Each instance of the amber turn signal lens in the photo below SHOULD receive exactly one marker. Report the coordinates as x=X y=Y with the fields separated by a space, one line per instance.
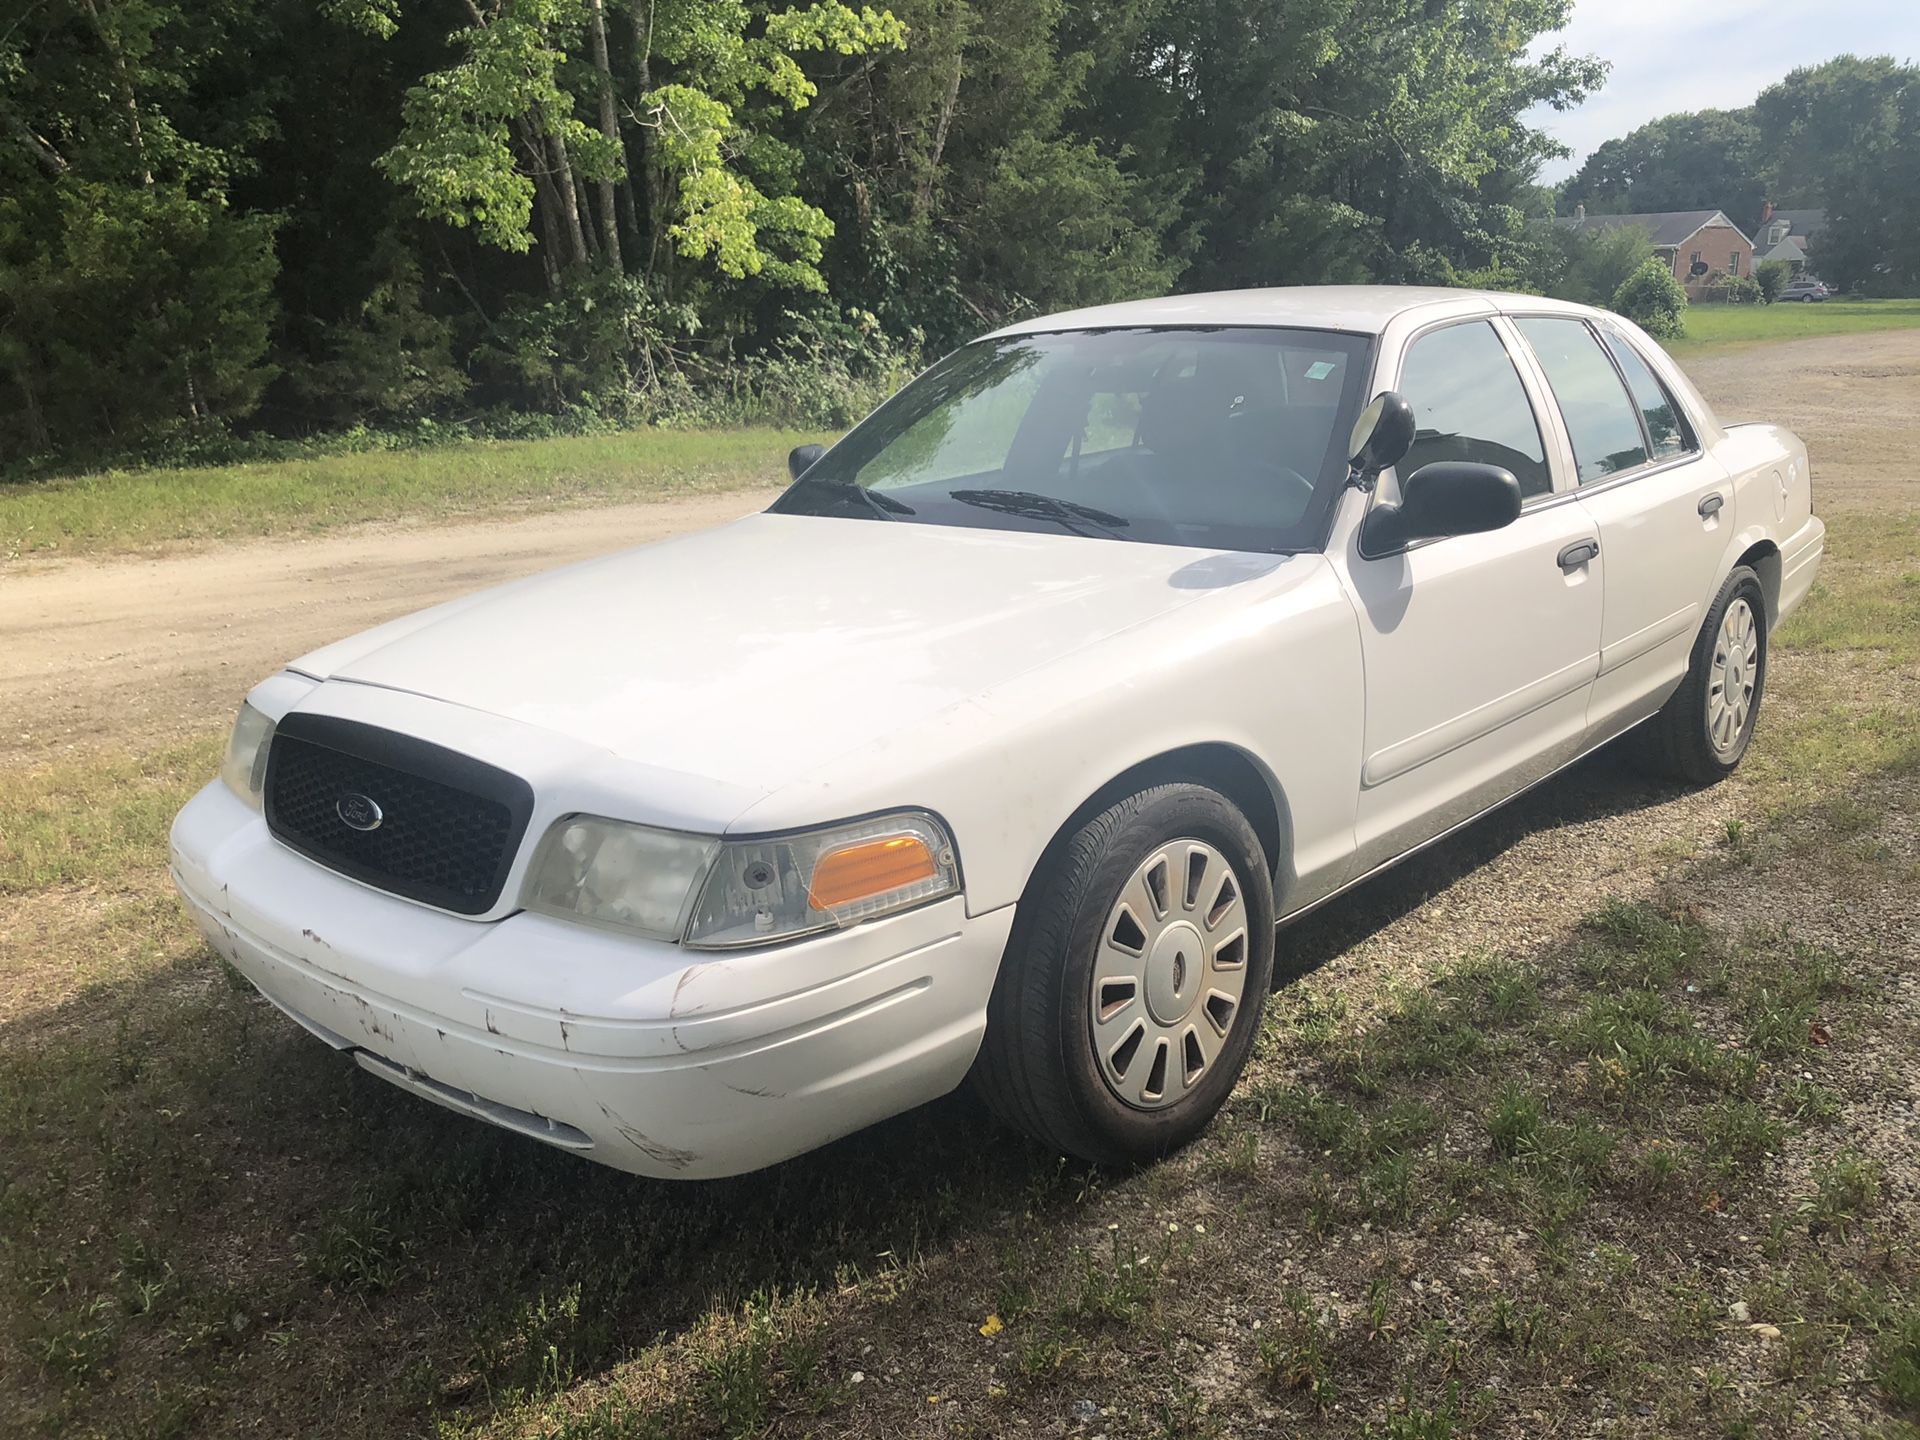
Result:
x=869 y=868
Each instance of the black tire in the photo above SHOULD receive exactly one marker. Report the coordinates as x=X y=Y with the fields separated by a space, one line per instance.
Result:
x=1676 y=743
x=1038 y=1069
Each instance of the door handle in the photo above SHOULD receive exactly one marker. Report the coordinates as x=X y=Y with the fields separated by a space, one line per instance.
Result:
x=1709 y=505
x=1579 y=553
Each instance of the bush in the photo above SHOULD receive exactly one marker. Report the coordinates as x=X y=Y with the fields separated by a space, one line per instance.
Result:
x=1723 y=289
x=1652 y=299
x=1772 y=277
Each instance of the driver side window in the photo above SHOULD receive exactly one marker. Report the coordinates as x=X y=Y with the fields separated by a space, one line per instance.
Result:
x=1468 y=404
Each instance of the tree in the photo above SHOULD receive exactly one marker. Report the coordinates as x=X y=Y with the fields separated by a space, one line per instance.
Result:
x=1709 y=160
x=1601 y=261
x=134 y=302
x=1849 y=139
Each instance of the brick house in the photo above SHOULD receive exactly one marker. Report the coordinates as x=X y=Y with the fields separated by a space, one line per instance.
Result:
x=1698 y=244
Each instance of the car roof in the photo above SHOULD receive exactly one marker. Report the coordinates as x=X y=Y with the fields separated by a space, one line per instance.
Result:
x=1358 y=309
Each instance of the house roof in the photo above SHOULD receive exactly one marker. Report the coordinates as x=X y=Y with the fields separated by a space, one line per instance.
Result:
x=1792 y=249
x=1669 y=228
x=1804 y=223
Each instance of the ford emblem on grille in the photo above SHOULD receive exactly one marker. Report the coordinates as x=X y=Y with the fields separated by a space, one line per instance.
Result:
x=359 y=812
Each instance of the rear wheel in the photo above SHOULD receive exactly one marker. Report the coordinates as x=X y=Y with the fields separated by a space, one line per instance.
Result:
x=1704 y=729
x=1134 y=980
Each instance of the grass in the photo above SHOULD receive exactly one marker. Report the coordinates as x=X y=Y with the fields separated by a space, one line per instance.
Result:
x=1526 y=1183
x=120 y=510
x=92 y=822
x=1720 y=326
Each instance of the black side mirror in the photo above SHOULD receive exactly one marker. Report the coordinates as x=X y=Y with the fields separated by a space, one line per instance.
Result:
x=801 y=459
x=1382 y=434
x=1448 y=497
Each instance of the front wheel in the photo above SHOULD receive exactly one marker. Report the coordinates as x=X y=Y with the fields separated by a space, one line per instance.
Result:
x=1134 y=980
x=1704 y=729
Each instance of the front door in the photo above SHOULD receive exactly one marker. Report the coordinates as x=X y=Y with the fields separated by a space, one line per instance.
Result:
x=1479 y=650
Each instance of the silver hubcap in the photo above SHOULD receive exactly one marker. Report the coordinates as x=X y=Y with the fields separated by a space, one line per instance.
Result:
x=1170 y=974
x=1735 y=674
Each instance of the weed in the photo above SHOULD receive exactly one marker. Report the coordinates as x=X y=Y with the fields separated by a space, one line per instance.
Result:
x=1296 y=1355
x=1738 y=1129
x=1846 y=1188
x=357 y=1250
x=1809 y=1101
x=76 y=1343
x=1117 y=1289
x=1896 y=1362
x=1517 y=1325
x=1515 y=1121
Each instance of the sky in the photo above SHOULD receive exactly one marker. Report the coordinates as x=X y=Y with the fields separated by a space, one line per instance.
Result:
x=1669 y=55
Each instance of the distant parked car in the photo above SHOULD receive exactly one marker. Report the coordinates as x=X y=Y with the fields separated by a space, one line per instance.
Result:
x=1806 y=291
x=1002 y=740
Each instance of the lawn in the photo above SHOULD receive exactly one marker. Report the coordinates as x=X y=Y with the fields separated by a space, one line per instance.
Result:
x=1715 y=326
x=119 y=509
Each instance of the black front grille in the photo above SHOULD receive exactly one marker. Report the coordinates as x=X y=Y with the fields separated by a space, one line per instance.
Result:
x=429 y=823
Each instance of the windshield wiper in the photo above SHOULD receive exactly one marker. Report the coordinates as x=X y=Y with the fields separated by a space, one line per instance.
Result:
x=883 y=505
x=1030 y=503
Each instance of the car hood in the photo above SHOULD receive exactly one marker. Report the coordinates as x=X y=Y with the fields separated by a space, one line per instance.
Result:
x=756 y=652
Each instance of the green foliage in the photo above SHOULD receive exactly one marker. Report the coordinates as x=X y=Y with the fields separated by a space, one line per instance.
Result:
x=142 y=312
x=1710 y=160
x=1653 y=300
x=1724 y=289
x=1598 y=262
x=389 y=359
x=1772 y=277
x=649 y=209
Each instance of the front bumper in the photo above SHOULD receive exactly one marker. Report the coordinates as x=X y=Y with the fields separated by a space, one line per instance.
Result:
x=637 y=1054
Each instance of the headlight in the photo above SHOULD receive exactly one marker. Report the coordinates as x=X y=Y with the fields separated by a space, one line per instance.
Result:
x=754 y=892
x=773 y=889
x=609 y=873
x=245 y=766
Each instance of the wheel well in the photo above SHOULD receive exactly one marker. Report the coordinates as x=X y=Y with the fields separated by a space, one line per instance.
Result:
x=1763 y=559
x=1224 y=768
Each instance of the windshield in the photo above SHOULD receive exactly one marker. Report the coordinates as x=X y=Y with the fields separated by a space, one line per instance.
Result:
x=1228 y=439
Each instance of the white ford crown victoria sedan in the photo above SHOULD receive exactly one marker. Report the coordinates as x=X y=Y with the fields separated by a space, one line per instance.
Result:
x=1003 y=740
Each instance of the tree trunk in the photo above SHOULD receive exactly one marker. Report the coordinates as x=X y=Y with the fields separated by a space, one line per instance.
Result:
x=546 y=205
x=923 y=197
x=616 y=201
x=569 y=199
x=44 y=155
x=583 y=202
x=656 y=216
x=127 y=98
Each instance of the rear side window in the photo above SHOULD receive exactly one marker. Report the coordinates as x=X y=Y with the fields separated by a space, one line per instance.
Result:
x=1468 y=404
x=1667 y=429
x=1602 y=420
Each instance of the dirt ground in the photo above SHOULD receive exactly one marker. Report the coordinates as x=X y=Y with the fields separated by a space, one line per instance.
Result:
x=155 y=647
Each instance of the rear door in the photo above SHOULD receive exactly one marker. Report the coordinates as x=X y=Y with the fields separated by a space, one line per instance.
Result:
x=1663 y=506
x=1479 y=650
